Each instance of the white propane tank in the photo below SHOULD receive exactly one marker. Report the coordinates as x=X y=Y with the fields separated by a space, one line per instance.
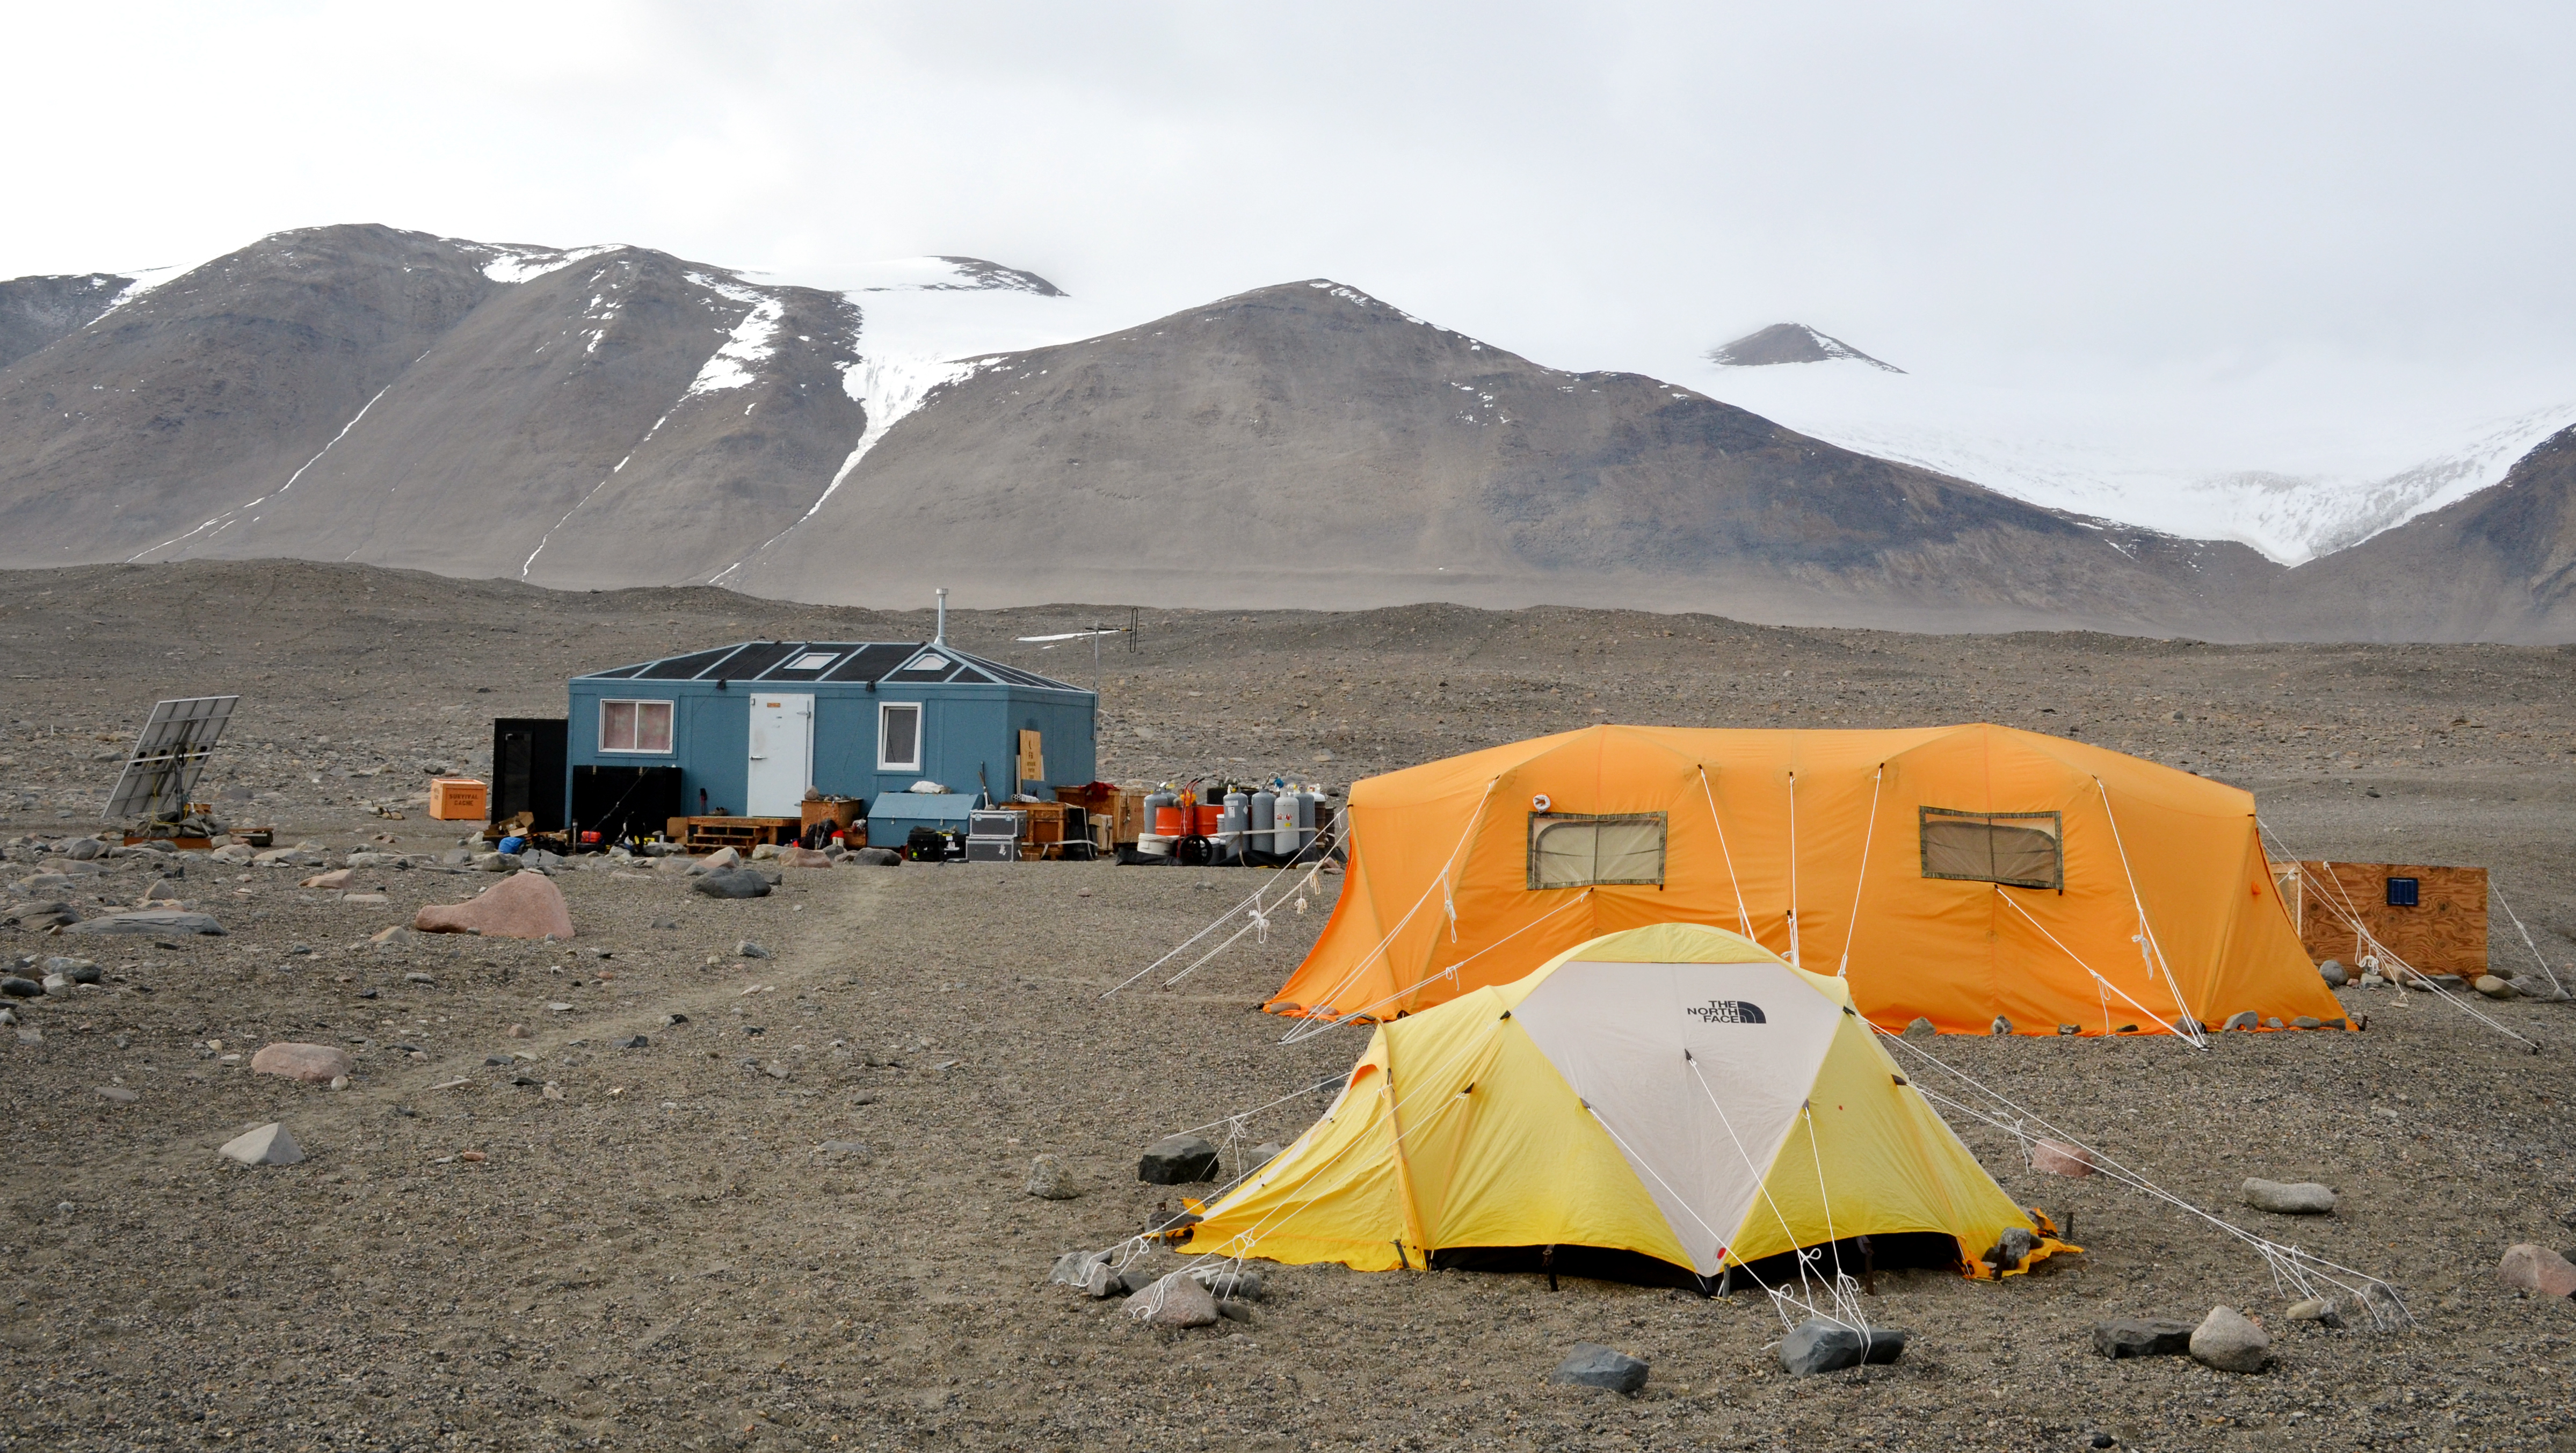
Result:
x=1283 y=821
x=1265 y=817
x=1233 y=823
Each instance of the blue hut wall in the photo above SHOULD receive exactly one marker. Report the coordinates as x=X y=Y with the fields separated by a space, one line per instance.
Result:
x=970 y=736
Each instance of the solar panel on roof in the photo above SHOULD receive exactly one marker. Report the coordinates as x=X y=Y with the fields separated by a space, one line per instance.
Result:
x=684 y=668
x=871 y=663
x=620 y=673
x=169 y=756
x=747 y=663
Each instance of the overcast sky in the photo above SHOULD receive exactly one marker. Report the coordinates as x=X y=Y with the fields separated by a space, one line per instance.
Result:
x=2061 y=186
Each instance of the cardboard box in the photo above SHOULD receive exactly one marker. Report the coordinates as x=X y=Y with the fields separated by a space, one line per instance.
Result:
x=459 y=799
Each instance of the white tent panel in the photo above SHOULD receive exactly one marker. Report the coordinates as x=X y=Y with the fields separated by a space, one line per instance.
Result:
x=1628 y=1037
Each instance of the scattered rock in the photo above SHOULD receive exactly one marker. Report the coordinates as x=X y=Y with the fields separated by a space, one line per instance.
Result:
x=314 y=1064
x=2010 y=1249
x=1228 y=1286
x=2315 y=1309
x=417 y=977
x=749 y=950
x=2334 y=974
x=2057 y=1158
x=2308 y=1021
x=2142 y=1337
x=764 y=852
x=524 y=905
x=165 y=921
x=733 y=883
x=1593 y=1365
x=18 y=988
x=874 y=858
x=717 y=861
x=2229 y=1342
x=517 y=1031
x=665 y=923
x=635 y=1042
x=1174 y=1301
x=1817 y=1345
x=796 y=857
x=2289 y=1198
x=117 y=1093
x=1262 y=1154
x=853 y=1149
x=1921 y=1028
x=270 y=1144
x=2242 y=1019
x=1103 y=1283
x=1074 y=1268
x=2538 y=1270
x=2493 y=987
x=2000 y=1026
x=336 y=878
x=1177 y=1160
x=1049 y=1180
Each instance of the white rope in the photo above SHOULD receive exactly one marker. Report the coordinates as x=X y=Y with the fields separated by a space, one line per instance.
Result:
x=2291 y=1264
x=1795 y=927
x=1253 y=903
x=1324 y=1002
x=2526 y=939
x=2151 y=950
x=2189 y=1035
x=2351 y=914
x=1869 y=832
x=1743 y=915
x=1311 y=1027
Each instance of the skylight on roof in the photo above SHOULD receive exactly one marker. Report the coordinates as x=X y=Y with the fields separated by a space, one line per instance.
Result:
x=933 y=662
x=814 y=661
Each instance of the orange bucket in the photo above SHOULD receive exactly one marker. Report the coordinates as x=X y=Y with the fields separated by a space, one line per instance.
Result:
x=1208 y=819
x=1167 y=822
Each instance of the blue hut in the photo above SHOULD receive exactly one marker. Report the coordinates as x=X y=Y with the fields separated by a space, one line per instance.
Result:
x=751 y=726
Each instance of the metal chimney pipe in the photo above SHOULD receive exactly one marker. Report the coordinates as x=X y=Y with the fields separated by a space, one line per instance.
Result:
x=941 y=639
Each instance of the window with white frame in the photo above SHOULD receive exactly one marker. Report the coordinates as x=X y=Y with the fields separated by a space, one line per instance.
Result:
x=635 y=726
x=899 y=736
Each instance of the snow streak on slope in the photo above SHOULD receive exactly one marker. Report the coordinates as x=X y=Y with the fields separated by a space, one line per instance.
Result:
x=2297 y=461
x=752 y=340
x=925 y=322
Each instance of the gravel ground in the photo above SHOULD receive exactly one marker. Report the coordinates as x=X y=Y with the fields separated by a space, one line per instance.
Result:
x=654 y=1250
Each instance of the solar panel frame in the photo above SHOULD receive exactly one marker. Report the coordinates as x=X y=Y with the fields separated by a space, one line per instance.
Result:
x=169 y=756
x=686 y=668
x=872 y=660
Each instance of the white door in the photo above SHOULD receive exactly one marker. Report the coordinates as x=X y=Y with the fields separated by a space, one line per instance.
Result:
x=782 y=755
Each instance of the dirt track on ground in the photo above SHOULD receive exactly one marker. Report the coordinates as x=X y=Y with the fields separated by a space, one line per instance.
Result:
x=663 y=1256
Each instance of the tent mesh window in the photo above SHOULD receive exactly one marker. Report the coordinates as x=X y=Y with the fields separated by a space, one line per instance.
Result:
x=2016 y=849
x=1580 y=849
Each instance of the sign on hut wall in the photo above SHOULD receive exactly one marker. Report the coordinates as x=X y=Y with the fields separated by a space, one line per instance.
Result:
x=2432 y=917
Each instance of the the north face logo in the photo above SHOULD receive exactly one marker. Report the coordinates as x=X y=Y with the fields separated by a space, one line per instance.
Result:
x=1727 y=1011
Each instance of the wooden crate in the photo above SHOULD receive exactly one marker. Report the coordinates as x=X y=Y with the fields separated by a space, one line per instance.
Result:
x=459 y=799
x=2444 y=933
x=709 y=834
x=1123 y=807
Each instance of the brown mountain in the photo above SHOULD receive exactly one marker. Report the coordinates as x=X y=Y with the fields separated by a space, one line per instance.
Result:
x=614 y=416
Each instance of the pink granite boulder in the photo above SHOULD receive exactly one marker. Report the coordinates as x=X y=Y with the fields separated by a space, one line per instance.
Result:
x=314 y=1064
x=526 y=904
x=2057 y=1158
x=2537 y=1269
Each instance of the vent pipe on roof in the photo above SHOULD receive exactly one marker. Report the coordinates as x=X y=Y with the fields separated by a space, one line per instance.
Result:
x=941 y=639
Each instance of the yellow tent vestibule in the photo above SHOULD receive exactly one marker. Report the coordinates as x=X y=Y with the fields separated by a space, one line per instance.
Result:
x=1963 y=875
x=1675 y=1092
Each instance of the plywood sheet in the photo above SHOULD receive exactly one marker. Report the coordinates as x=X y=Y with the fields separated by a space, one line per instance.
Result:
x=2445 y=933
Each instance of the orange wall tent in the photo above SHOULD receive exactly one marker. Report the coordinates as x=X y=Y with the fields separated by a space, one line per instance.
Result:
x=1958 y=874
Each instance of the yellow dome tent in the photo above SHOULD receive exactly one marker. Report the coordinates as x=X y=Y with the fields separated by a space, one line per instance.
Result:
x=1958 y=874
x=1675 y=1092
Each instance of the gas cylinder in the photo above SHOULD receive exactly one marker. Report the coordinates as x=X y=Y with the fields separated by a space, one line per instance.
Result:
x=1265 y=815
x=1233 y=824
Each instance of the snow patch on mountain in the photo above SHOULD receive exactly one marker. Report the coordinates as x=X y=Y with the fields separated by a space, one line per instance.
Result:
x=2296 y=460
x=512 y=264
x=751 y=341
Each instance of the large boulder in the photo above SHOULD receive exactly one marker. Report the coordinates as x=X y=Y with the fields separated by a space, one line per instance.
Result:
x=1816 y=1345
x=314 y=1064
x=2059 y=1158
x=2537 y=1269
x=522 y=905
x=1178 y=1300
x=150 y=920
x=873 y=858
x=1593 y=1365
x=2142 y=1337
x=1177 y=1160
x=732 y=883
x=2290 y=1198
x=2228 y=1341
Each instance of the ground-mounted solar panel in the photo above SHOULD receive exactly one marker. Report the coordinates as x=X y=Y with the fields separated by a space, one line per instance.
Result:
x=169 y=755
